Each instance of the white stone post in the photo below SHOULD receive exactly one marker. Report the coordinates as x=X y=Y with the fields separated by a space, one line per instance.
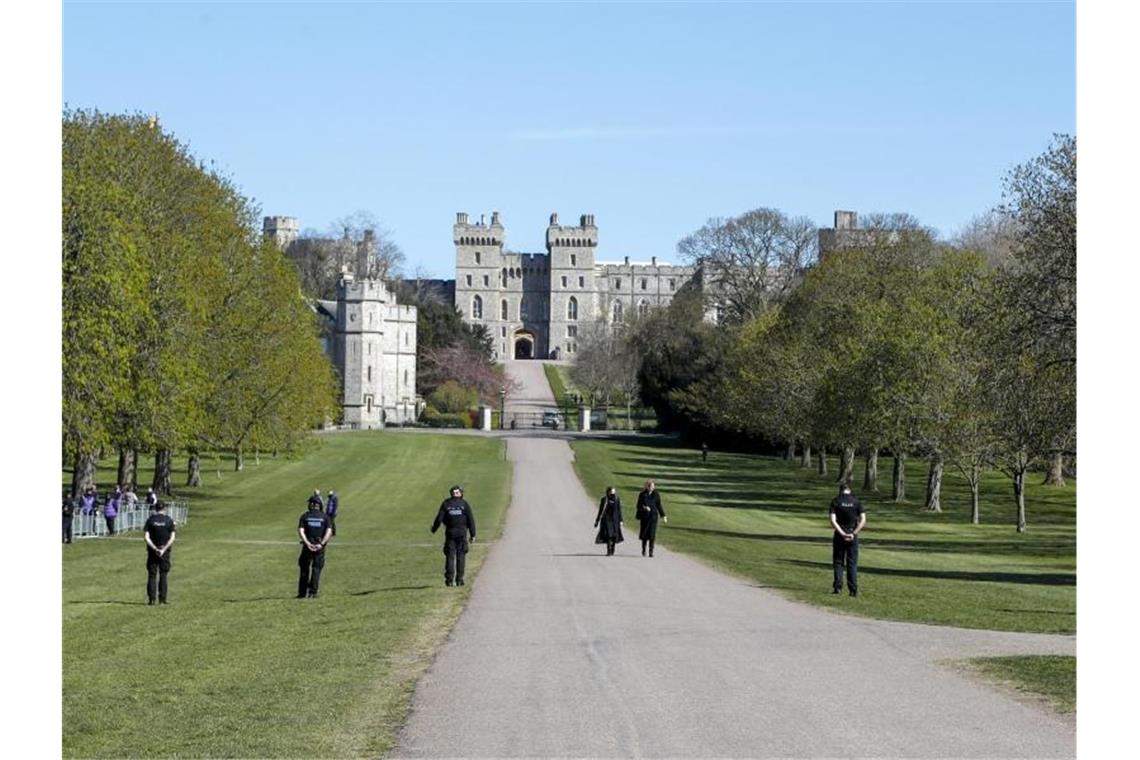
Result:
x=583 y=418
x=485 y=418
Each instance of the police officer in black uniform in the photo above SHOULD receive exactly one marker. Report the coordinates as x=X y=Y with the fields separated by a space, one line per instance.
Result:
x=158 y=532
x=458 y=520
x=315 y=532
x=68 y=517
x=847 y=518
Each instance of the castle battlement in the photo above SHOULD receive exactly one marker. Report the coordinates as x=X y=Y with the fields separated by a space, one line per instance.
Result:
x=465 y=232
x=584 y=235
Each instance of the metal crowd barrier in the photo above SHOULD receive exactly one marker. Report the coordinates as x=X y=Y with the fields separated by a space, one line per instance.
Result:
x=94 y=525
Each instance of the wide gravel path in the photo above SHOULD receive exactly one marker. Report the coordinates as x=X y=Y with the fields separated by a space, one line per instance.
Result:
x=564 y=652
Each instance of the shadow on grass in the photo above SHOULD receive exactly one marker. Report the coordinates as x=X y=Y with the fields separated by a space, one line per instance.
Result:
x=1033 y=579
x=389 y=588
x=105 y=601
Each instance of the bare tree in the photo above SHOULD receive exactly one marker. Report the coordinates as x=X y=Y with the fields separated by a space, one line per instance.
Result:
x=355 y=243
x=753 y=260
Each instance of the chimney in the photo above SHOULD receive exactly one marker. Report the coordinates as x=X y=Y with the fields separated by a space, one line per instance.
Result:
x=627 y=260
x=461 y=217
x=495 y=218
x=654 y=261
x=845 y=220
x=554 y=218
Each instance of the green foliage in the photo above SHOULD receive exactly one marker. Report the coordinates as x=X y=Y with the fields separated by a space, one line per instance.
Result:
x=168 y=293
x=432 y=417
x=451 y=397
x=222 y=665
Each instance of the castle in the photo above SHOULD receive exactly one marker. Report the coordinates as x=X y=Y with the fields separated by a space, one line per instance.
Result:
x=533 y=304
x=370 y=339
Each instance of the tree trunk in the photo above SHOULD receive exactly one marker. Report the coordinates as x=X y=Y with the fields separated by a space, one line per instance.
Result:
x=83 y=476
x=898 y=477
x=975 y=501
x=790 y=452
x=135 y=470
x=239 y=460
x=162 y=472
x=194 y=471
x=934 y=484
x=257 y=455
x=126 y=473
x=1019 y=494
x=846 y=464
x=805 y=457
x=822 y=460
x=871 y=471
x=1056 y=475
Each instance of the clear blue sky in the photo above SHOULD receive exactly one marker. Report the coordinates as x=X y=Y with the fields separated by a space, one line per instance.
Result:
x=653 y=117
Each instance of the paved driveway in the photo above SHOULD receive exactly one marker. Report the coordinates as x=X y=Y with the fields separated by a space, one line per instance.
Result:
x=564 y=652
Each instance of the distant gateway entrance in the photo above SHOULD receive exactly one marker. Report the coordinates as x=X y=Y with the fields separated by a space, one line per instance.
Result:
x=524 y=345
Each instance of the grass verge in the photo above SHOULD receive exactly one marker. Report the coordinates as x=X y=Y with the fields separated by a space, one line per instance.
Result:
x=766 y=519
x=235 y=666
x=1050 y=677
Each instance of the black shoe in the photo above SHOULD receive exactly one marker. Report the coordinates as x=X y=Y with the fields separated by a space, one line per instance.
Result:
x=162 y=601
x=650 y=554
x=835 y=591
x=459 y=582
x=302 y=596
x=448 y=583
x=853 y=592
x=150 y=602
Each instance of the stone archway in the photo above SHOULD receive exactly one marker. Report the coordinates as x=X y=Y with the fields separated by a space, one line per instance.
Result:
x=524 y=345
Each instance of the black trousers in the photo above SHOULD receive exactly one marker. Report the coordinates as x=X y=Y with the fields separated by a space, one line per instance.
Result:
x=845 y=554
x=311 y=564
x=157 y=569
x=67 y=528
x=332 y=523
x=110 y=525
x=454 y=557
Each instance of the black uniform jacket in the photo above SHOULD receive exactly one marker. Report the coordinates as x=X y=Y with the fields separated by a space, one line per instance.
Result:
x=456 y=517
x=608 y=521
x=648 y=509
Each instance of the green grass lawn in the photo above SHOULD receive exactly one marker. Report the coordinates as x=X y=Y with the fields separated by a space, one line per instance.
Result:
x=766 y=520
x=235 y=666
x=1052 y=677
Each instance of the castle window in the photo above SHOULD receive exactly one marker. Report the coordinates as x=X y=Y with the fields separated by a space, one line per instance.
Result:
x=642 y=308
x=581 y=282
x=524 y=310
x=672 y=283
x=563 y=280
x=503 y=310
x=512 y=274
x=478 y=257
x=617 y=312
x=571 y=331
x=405 y=377
x=617 y=283
x=502 y=332
x=572 y=309
x=468 y=280
x=573 y=259
x=405 y=339
x=644 y=283
x=486 y=280
x=369 y=373
x=368 y=403
x=476 y=308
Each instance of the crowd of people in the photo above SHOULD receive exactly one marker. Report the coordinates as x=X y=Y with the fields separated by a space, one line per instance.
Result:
x=121 y=499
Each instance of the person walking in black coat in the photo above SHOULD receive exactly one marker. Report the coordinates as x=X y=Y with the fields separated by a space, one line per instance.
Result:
x=459 y=521
x=648 y=509
x=609 y=522
x=315 y=533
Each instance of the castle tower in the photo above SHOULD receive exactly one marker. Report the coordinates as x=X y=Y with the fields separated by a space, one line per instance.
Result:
x=282 y=229
x=572 y=287
x=361 y=306
x=478 y=268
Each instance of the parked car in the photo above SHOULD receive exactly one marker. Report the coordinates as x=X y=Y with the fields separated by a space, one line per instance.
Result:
x=551 y=418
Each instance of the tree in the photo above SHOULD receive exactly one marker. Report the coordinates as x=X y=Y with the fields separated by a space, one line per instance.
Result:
x=355 y=243
x=751 y=261
x=1040 y=279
